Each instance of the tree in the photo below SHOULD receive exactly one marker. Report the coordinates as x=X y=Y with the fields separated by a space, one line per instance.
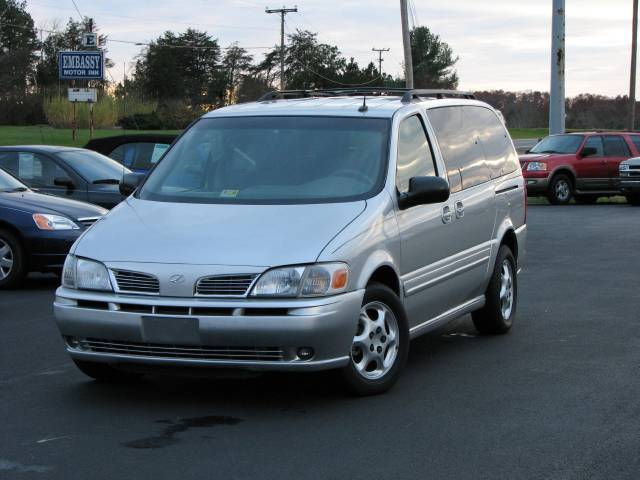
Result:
x=182 y=66
x=18 y=43
x=433 y=60
x=236 y=64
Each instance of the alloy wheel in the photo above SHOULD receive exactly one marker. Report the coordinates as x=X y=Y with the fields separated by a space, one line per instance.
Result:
x=506 y=289
x=563 y=190
x=6 y=259
x=375 y=346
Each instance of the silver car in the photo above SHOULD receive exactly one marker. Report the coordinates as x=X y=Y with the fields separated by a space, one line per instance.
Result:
x=629 y=181
x=301 y=234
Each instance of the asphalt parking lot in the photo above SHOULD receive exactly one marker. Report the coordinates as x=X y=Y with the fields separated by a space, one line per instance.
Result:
x=557 y=398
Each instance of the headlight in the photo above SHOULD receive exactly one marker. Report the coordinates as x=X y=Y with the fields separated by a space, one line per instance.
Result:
x=303 y=281
x=53 y=222
x=537 y=166
x=85 y=274
x=624 y=167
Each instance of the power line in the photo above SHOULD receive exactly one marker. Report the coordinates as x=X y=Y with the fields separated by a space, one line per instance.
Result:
x=78 y=10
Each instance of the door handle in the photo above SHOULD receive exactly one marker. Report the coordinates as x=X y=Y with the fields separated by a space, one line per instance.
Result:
x=447 y=214
x=459 y=209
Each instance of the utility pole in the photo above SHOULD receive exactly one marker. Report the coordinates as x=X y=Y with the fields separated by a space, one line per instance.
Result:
x=380 y=60
x=282 y=11
x=556 y=101
x=634 y=57
x=406 y=42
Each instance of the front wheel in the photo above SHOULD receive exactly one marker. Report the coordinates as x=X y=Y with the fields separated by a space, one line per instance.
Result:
x=496 y=317
x=381 y=344
x=13 y=261
x=560 y=190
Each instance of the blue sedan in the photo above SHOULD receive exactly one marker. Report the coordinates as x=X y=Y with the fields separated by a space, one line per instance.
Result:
x=37 y=230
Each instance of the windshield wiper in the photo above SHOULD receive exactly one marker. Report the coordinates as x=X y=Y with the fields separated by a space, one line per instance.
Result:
x=546 y=151
x=106 y=181
x=14 y=190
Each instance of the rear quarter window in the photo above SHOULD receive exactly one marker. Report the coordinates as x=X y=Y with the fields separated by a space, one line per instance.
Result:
x=474 y=143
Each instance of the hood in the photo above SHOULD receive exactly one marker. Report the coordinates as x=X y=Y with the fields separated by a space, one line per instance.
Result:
x=33 y=202
x=631 y=161
x=545 y=157
x=186 y=233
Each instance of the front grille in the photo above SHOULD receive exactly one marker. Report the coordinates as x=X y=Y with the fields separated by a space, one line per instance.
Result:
x=86 y=222
x=136 y=282
x=225 y=285
x=182 y=351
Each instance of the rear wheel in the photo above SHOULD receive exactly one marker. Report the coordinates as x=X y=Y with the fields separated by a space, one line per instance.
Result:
x=560 y=190
x=381 y=344
x=104 y=372
x=634 y=199
x=12 y=260
x=496 y=317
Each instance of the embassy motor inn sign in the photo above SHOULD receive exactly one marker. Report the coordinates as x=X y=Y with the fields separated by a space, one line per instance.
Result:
x=87 y=65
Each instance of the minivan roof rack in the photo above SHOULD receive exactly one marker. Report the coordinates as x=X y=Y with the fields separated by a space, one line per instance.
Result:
x=407 y=94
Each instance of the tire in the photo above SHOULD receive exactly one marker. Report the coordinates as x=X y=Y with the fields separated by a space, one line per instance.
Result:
x=560 y=190
x=373 y=372
x=495 y=318
x=104 y=372
x=13 y=262
x=633 y=199
x=586 y=199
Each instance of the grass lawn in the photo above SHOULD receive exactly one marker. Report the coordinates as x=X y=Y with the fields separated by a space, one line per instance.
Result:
x=45 y=135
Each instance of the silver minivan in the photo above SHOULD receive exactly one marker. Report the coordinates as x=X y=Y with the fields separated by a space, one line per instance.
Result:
x=307 y=231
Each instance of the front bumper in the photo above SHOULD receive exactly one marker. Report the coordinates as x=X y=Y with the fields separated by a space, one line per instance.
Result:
x=629 y=185
x=251 y=334
x=48 y=249
x=536 y=182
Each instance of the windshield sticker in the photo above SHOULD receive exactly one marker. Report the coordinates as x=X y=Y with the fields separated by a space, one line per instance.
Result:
x=229 y=193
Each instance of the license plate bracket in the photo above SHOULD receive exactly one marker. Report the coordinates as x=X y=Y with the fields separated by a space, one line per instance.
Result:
x=171 y=330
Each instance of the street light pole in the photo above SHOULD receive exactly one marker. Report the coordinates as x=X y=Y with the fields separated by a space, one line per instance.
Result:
x=634 y=57
x=557 y=94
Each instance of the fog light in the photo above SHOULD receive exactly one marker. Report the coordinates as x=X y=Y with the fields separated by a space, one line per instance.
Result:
x=530 y=182
x=73 y=342
x=305 y=353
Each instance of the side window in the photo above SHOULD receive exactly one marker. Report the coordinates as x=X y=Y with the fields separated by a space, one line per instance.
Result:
x=458 y=136
x=500 y=156
x=139 y=154
x=9 y=162
x=615 y=146
x=38 y=171
x=595 y=142
x=414 y=153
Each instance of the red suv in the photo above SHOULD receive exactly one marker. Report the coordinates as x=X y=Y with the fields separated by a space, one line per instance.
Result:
x=580 y=165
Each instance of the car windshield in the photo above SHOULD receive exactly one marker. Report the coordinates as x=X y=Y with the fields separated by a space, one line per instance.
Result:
x=558 y=144
x=10 y=184
x=93 y=166
x=255 y=160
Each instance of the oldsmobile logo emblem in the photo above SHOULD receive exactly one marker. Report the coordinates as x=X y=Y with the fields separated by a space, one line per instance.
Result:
x=176 y=279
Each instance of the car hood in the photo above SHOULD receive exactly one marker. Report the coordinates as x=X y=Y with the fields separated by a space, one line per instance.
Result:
x=210 y=234
x=33 y=202
x=631 y=161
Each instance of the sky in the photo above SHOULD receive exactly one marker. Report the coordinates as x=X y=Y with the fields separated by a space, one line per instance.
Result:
x=502 y=44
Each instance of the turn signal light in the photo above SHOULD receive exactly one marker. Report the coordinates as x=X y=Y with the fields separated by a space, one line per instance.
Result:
x=340 y=278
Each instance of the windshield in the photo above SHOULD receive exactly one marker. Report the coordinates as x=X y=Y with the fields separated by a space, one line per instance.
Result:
x=93 y=166
x=256 y=160
x=558 y=144
x=9 y=183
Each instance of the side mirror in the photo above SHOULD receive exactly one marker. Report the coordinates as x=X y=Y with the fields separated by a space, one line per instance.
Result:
x=528 y=151
x=424 y=191
x=129 y=183
x=589 y=152
x=64 y=182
